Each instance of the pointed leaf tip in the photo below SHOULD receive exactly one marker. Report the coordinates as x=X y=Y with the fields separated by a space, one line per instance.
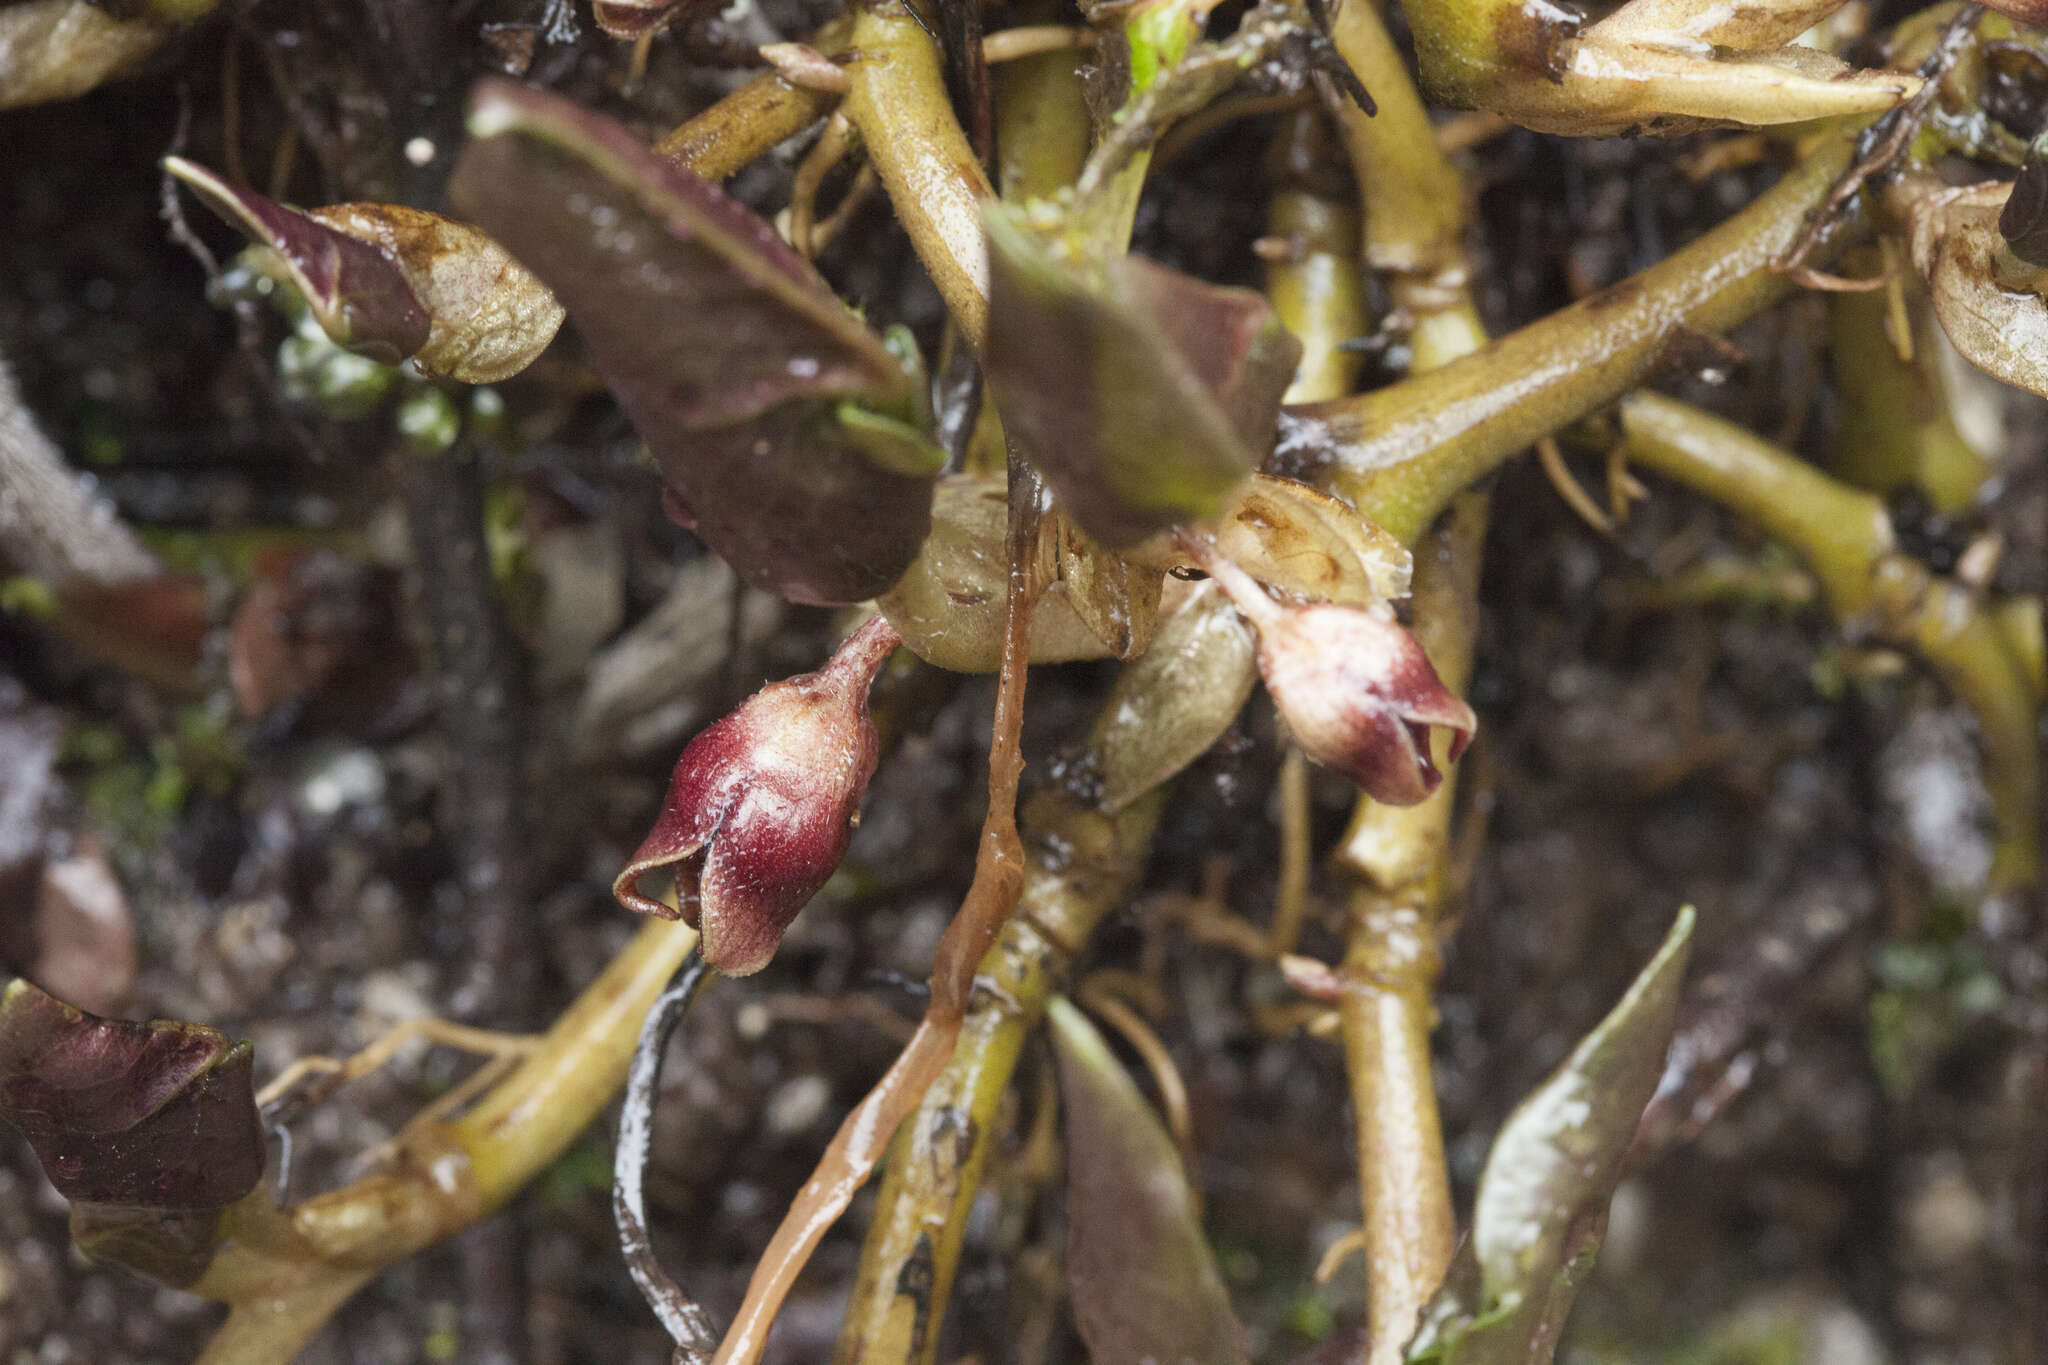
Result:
x=1143 y=1280
x=360 y=298
x=1542 y=1202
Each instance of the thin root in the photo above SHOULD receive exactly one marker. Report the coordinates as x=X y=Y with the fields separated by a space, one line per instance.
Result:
x=1575 y=496
x=439 y=1032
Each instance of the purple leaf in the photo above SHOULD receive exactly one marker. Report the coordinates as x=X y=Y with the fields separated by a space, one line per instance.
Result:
x=1143 y=1281
x=725 y=347
x=1143 y=395
x=158 y=1115
x=359 y=296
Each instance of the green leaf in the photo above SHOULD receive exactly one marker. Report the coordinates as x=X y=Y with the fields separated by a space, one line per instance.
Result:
x=1143 y=396
x=1177 y=698
x=727 y=350
x=153 y=1116
x=1541 y=1209
x=1144 y=1284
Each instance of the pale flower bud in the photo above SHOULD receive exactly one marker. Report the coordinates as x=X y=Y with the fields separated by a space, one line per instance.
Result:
x=1360 y=695
x=1356 y=690
x=762 y=805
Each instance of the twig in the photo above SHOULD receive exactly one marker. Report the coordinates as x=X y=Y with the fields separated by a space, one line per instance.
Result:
x=751 y=120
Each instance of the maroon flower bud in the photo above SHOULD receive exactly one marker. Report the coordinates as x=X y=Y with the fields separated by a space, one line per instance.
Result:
x=1354 y=687
x=762 y=805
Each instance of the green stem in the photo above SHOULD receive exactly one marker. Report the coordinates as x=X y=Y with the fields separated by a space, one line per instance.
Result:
x=1401 y=453
x=1897 y=431
x=1396 y=857
x=1845 y=538
x=896 y=96
x=913 y=1249
x=745 y=124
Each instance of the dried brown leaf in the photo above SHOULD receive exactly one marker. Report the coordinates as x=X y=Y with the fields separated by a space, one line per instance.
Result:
x=59 y=49
x=488 y=318
x=1992 y=304
x=949 y=607
x=1117 y=600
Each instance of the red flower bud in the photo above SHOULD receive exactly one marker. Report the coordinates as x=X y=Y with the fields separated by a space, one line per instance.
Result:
x=762 y=805
x=1354 y=687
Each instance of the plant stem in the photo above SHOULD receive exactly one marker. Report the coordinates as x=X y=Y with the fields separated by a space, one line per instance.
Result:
x=1044 y=122
x=1080 y=865
x=1412 y=197
x=1845 y=537
x=1897 y=429
x=1396 y=857
x=1403 y=452
x=745 y=124
x=896 y=96
x=987 y=908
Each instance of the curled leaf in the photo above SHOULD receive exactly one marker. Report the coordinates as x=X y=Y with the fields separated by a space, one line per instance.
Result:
x=360 y=297
x=155 y=1116
x=1144 y=1283
x=1542 y=1202
x=949 y=606
x=1177 y=698
x=388 y=282
x=733 y=358
x=488 y=318
x=1303 y=541
x=1143 y=396
x=1991 y=302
